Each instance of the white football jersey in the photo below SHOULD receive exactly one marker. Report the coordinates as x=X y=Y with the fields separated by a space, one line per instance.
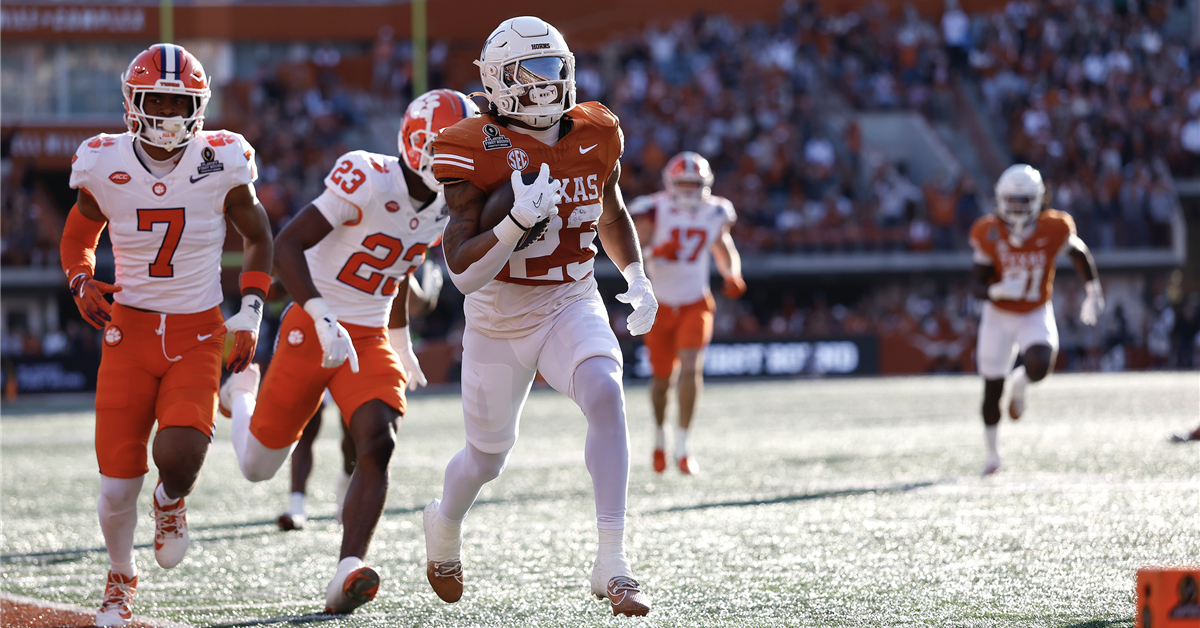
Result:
x=167 y=233
x=683 y=278
x=379 y=236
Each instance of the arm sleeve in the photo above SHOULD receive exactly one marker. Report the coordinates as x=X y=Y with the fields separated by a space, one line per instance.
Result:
x=484 y=269
x=78 y=247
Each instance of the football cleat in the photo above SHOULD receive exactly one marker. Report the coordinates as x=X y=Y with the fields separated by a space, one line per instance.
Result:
x=117 y=607
x=443 y=549
x=246 y=381
x=990 y=465
x=170 y=532
x=291 y=521
x=612 y=579
x=688 y=465
x=1016 y=404
x=660 y=461
x=351 y=589
x=1183 y=436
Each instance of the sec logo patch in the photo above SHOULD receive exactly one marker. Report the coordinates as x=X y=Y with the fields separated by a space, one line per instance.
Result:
x=295 y=337
x=160 y=189
x=392 y=206
x=112 y=335
x=518 y=159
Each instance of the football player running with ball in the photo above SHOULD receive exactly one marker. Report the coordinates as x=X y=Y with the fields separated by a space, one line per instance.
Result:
x=1015 y=251
x=346 y=260
x=163 y=189
x=680 y=228
x=538 y=309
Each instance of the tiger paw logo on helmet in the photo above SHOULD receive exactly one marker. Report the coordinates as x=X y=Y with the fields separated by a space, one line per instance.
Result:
x=113 y=336
x=295 y=337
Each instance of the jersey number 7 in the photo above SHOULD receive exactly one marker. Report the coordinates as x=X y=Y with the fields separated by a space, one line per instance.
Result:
x=175 y=220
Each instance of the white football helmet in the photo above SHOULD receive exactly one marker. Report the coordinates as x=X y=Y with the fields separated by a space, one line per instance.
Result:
x=526 y=56
x=1019 y=195
x=688 y=167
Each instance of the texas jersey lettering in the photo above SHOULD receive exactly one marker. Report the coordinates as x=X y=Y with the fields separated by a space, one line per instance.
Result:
x=681 y=276
x=1031 y=264
x=167 y=233
x=380 y=234
x=484 y=153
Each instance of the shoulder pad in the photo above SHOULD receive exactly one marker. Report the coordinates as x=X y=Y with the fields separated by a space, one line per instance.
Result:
x=641 y=205
x=595 y=113
x=356 y=175
x=234 y=154
x=87 y=155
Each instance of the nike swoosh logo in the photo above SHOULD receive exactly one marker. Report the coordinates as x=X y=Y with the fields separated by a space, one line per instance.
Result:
x=204 y=337
x=538 y=202
x=195 y=179
x=584 y=151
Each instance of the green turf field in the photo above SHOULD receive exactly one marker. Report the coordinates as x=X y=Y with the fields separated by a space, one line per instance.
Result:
x=821 y=503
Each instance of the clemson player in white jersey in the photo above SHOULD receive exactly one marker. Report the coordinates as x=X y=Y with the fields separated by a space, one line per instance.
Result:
x=346 y=260
x=537 y=309
x=1015 y=251
x=163 y=189
x=680 y=228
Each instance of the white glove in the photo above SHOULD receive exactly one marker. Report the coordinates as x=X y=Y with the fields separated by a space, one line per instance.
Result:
x=402 y=343
x=1007 y=289
x=335 y=340
x=249 y=318
x=431 y=280
x=1093 y=303
x=641 y=296
x=536 y=201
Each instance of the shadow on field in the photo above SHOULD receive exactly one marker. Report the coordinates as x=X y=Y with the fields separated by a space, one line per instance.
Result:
x=786 y=499
x=1102 y=623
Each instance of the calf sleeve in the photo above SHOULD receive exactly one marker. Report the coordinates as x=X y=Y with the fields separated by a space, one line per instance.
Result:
x=596 y=387
x=117 y=509
x=257 y=461
x=466 y=474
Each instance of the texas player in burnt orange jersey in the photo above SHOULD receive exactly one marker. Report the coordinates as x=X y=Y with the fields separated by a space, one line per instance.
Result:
x=1015 y=251
x=538 y=309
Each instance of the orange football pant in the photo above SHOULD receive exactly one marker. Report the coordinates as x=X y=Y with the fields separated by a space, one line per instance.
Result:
x=295 y=381
x=677 y=328
x=154 y=367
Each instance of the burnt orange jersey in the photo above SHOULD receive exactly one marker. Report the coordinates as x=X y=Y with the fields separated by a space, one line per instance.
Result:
x=485 y=153
x=1031 y=263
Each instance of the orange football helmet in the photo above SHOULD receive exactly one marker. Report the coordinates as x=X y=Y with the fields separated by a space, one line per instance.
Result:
x=688 y=167
x=165 y=69
x=424 y=119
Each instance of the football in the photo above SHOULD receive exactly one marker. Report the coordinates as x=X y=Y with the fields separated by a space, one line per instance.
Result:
x=496 y=209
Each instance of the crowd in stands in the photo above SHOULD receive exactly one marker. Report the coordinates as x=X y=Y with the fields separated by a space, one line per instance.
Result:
x=1098 y=94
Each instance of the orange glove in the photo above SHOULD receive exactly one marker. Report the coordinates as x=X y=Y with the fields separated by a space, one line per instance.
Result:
x=89 y=298
x=667 y=250
x=735 y=287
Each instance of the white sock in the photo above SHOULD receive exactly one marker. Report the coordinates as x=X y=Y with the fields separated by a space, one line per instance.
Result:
x=117 y=509
x=612 y=542
x=660 y=437
x=348 y=564
x=1020 y=377
x=160 y=494
x=991 y=435
x=296 y=504
x=343 y=485
x=681 y=448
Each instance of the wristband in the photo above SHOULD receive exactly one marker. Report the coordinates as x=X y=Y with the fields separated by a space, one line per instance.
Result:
x=255 y=279
x=318 y=309
x=508 y=232
x=632 y=272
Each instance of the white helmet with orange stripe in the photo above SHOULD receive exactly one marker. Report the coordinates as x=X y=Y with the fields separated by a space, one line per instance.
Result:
x=688 y=178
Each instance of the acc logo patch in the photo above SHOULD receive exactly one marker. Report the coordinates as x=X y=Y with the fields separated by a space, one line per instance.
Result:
x=113 y=335
x=120 y=178
x=392 y=206
x=518 y=159
x=494 y=139
x=295 y=337
x=160 y=189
